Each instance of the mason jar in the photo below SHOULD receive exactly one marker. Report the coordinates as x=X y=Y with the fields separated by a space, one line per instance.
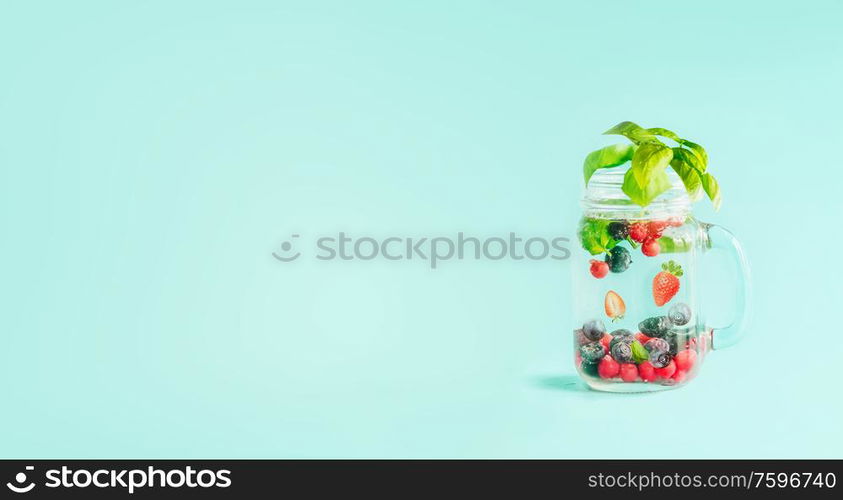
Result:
x=639 y=321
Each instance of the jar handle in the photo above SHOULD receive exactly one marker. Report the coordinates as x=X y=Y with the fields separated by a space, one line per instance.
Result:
x=719 y=238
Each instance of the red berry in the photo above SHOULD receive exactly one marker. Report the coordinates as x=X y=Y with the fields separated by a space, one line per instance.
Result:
x=605 y=341
x=608 y=367
x=656 y=228
x=667 y=371
x=651 y=247
x=679 y=376
x=685 y=359
x=642 y=338
x=629 y=372
x=647 y=372
x=638 y=232
x=599 y=269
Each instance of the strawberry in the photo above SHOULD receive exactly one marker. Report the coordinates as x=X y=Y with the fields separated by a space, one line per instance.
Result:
x=638 y=231
x=615 y=307
x=599 y=269
x=666 y=283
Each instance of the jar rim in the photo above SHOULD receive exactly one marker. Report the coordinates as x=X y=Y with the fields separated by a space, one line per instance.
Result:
x=604 y=198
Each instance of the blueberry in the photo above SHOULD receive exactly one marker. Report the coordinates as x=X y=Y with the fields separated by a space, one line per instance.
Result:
x=660 y=360
x=592 y=353
x=657 y=326
x=618 y=230
x=677 y=340
x=594 y=329
x=618 y=259
x=679 y=314
x=622 y=350
x=589 y=368
x=659 y=351
x=620 y=335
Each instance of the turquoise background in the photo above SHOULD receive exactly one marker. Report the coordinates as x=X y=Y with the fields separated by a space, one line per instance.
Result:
x=155 y=154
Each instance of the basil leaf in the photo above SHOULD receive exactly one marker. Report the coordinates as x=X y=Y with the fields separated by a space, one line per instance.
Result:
x=669 y=244
x=664 y=133
x=648 y=158
x=699 y=150
x=594 y=236
x=690 y=178
x=712 y=189
x=639 y=353
x=643 y=193
x=610 y=156
x=632 y=131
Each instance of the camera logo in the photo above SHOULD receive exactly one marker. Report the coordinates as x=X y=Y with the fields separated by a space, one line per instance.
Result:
x=20 y=478
x=286 y=247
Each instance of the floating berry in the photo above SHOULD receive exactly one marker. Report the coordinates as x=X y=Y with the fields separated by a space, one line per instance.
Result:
x=598 y=268
x=685 y=359
x=640 y=337
x=638 y=232
x=666 y=371
x=659 y=352
x=608 y=367
x=657 y=326
x=651 y=247
x=589 y=368
x=646 y=372
x=592 y=352
x=594 y=329
x=679 y=314
x=620 y=335
x=618 y=259
x=666 y=283
x=622 y=350
x=614 y=305
x=629 y=372
x=656 y=228
x=618 y=230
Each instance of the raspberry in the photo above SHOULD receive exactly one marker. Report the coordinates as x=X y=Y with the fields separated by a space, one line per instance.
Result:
x=599 y=269
x=638 y=232
x=656 y=228
x=605 y=341
x=685 y=360
x=629 y=372
x=640 y=337
x=651 y=247
x=667 y=371
x=647 y=372
x=608 y=367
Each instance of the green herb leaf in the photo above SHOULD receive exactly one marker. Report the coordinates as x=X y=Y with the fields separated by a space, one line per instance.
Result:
x=699 y=150
x=643 y=194
x=610 y=156
x=649 y=158
x=632 y=131
x=639 y=352
x=594 y=236
x=669 y=244
x=712 y=189
x=683 y=163
x=664 y=133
